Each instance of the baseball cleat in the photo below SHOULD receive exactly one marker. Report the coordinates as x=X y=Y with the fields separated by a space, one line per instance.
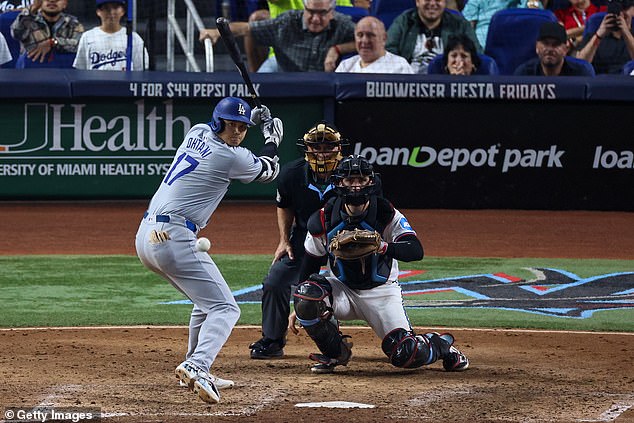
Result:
x=265 y=349
x=323 y=368
x=452 y=359
x=455 y=361
x=326 y=364
x=199 y=381
x=219 y=382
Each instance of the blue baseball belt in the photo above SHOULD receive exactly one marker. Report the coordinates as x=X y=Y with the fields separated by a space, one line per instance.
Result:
x=177 y=220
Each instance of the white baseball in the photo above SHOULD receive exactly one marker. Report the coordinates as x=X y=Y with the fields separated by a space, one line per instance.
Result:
x=203 y=244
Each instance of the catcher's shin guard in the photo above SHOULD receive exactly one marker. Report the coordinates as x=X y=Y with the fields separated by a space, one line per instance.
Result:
x=315 y=315
x=405 y=349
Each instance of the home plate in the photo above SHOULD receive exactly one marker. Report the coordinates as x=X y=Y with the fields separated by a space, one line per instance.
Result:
x=334 y=404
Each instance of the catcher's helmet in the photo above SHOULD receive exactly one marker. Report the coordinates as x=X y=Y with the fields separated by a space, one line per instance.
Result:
x=354 y=166
x=321 y=146
x=230 y=108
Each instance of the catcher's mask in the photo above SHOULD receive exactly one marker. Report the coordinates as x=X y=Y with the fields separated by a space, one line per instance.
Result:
x=354 y=180
x=321 y=146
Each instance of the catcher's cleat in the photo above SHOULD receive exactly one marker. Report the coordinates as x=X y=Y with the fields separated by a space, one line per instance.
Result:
x=326 y=364
x=455 y=361
x=265 y=349
x=452 y=359
x=219 y=382
x=199 y=381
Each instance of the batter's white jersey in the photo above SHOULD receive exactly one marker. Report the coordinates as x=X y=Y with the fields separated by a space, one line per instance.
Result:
x=200 y=174
x=396 y=228
x=103 y=51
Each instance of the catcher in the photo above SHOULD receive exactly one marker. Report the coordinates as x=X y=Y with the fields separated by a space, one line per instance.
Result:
x=361 y=235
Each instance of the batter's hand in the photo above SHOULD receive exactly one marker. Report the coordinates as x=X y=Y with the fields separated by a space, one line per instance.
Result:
x=212 y=34
x=273 y=131
x=292 y=323
x=260 y=114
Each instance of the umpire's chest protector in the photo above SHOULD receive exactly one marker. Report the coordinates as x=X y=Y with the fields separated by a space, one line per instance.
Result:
x=368 y=272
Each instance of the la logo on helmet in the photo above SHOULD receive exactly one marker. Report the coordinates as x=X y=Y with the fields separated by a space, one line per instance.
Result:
x=241 y=109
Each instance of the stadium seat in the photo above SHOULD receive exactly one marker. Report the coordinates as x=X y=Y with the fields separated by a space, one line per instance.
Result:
x=583 y=63
x=512 y=35
x=356 y=13
x=6 y=19
x=58 y=60
x=593 y=22
x=628 y=67
x=487 y=66
x=387 y=10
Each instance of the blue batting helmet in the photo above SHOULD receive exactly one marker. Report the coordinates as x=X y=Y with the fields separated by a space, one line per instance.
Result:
x=230 y=108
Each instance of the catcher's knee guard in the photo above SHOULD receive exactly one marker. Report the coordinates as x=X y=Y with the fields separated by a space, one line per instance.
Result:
x=311 y=299
x=408 y=350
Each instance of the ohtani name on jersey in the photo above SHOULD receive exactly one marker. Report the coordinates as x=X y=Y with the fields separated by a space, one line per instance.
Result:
x=198 y=145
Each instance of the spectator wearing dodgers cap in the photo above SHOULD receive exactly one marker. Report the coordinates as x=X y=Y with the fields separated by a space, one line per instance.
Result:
x=551 y=48
x=104 y=47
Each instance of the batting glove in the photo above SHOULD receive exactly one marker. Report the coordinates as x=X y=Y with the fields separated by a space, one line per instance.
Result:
x=260 y=114
x=273 y=131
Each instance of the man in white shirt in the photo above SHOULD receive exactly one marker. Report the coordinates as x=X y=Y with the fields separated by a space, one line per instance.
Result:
x=369 y=38
x=104 y=47
x=5 y=54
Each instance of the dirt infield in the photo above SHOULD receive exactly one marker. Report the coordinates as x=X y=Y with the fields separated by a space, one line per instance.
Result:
x=109 y=228
x=516 y=376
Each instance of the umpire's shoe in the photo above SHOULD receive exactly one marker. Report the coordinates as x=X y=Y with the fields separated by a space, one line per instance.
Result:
x=265 y=349
x=199 y=381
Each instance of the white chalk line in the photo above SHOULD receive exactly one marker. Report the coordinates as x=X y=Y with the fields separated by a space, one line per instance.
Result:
x=615 y=410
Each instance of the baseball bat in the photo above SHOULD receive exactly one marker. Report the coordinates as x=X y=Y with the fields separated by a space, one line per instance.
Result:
x=234 y=52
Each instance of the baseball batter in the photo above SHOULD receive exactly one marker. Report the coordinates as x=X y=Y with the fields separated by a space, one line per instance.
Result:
x=363 y=288
x=209 y=158
x=104 y=47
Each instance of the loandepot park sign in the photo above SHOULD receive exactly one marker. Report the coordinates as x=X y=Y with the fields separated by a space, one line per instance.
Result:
x=493 y=156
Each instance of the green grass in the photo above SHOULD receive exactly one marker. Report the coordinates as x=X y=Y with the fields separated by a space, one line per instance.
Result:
x=118 y=290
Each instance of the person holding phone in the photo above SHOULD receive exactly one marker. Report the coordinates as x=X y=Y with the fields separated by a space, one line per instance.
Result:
x=612 y=45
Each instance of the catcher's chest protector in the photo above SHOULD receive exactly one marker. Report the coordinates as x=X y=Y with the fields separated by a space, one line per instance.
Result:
x=368 y=272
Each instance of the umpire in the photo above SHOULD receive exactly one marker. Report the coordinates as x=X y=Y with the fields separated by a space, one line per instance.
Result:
x=303 y=187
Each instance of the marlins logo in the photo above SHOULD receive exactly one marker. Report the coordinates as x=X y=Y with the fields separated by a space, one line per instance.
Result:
x=241 y=109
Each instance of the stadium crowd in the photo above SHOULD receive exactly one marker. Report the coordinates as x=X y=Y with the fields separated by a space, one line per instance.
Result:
x=433 y=36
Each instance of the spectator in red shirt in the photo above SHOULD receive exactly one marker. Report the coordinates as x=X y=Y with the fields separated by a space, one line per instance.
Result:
x=574 y=18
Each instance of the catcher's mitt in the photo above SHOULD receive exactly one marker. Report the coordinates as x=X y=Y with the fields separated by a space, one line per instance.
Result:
x=355 y=244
